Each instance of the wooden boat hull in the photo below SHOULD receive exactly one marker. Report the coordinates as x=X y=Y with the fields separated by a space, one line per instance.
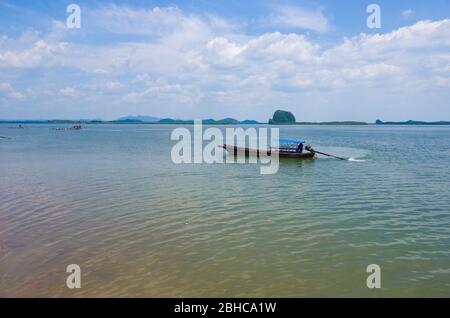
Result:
x=256 y=152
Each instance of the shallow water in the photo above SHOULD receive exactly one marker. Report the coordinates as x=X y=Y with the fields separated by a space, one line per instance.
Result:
x=109 y=199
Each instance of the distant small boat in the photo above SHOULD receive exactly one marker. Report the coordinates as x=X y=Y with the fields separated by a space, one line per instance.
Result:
x=75 y=127
x=290 y=149
x=17 y=127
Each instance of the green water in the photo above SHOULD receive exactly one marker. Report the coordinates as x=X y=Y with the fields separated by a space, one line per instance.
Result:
x=109 y=199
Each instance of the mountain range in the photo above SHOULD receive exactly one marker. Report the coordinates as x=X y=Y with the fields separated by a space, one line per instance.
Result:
x=151 y=119
x=411 y=122
x=144 y=119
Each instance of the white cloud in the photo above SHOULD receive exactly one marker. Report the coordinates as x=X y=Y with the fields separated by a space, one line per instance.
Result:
x=299 y=18
x=9 y=91
x=31 y=49
x=407 y=13
x=158 y=87
x=29 y=55
x=68 y=92
x=226 y=52
x=370 y=71
x=111 y=85
x=276 y=46
x=157 y=22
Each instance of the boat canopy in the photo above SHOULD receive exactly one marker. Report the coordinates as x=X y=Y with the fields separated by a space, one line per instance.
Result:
x=290 y=141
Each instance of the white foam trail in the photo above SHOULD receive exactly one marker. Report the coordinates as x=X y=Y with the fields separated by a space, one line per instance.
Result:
x=356 y=160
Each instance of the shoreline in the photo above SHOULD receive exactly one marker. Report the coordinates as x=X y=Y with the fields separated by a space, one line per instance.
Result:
x=333 y=123
x=224 y=124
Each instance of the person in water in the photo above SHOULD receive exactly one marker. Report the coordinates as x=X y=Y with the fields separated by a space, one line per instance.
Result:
x=300 y=147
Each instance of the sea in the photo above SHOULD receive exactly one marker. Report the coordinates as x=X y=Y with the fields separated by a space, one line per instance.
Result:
x=110 y=199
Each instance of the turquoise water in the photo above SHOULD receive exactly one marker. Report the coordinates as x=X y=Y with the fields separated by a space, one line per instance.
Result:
x=109 y=199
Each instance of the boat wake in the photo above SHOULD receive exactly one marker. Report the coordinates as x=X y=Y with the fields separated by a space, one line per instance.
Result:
x=356 y=160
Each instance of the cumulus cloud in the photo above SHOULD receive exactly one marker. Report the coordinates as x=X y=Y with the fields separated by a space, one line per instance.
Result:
x=31 y=48
x=225 y=52
x=29 y=54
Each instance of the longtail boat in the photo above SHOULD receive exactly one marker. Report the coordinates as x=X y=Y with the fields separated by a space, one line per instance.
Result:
x=289 y=149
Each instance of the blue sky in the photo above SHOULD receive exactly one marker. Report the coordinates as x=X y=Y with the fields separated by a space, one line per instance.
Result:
x=243 y=59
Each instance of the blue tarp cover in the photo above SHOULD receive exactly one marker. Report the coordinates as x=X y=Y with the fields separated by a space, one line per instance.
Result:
x=291 y=141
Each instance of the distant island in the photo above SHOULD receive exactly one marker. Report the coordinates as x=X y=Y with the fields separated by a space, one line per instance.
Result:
x=411 y=122
x=145 y=119
x=347 y=122
x=225 y=121
x=135 y=120
x=280 y=117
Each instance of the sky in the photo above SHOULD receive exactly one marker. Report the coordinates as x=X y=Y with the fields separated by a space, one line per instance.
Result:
x=225 y=58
